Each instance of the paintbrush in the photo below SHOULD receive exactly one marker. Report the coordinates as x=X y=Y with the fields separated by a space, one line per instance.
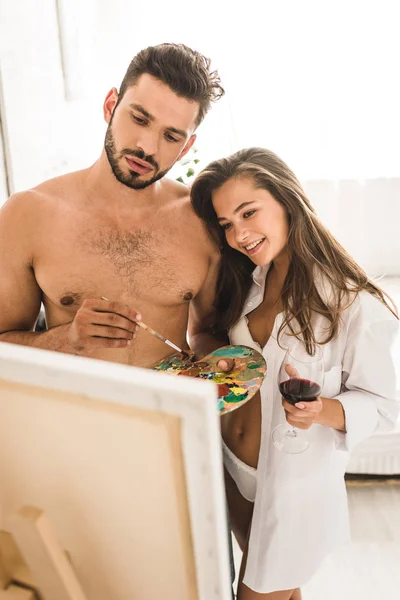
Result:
x=157 y=335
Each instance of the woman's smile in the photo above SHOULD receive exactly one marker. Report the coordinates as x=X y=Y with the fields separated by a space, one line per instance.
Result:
x=253 y=247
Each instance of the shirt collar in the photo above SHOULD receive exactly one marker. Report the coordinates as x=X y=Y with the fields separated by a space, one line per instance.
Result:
x=256 y=293
x=260 y=273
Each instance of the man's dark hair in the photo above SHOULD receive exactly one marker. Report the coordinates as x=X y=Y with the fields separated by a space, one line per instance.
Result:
x=185 y=71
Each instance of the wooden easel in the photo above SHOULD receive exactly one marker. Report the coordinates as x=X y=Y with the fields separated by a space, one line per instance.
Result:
x=33 y=565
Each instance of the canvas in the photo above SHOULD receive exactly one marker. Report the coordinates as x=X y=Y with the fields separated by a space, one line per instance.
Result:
x=126 y=465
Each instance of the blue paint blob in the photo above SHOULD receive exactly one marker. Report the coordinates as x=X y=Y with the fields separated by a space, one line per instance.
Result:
x=233 y=352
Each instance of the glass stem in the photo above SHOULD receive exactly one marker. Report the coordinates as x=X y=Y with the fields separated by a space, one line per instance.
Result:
x=291 y=432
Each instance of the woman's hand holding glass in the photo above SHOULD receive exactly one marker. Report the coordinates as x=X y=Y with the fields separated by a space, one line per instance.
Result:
x=300 y=381
x=303 y=414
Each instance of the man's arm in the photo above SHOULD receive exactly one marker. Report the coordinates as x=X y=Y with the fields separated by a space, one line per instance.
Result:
x=20 y=294
x=201 y=315
x=97 y=324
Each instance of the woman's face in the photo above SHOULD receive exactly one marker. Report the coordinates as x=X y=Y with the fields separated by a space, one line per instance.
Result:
x=253 y=221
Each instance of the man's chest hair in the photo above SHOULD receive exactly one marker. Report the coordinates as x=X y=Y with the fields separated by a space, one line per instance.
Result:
x=122 y=248
x=147 y=257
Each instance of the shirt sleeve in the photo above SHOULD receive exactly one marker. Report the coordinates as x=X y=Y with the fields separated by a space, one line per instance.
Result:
x=368 y=373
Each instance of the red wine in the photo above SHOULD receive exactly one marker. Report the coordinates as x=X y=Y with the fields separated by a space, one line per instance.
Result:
x=299 y=390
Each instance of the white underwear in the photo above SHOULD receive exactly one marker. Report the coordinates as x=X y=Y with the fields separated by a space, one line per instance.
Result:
x=243 y=475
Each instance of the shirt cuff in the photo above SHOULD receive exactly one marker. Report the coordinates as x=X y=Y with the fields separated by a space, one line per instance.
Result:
x=361 y=419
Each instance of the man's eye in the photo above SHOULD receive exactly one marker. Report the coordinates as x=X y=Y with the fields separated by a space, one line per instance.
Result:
x=170 y=138
x=248 y=214
x=139 y=120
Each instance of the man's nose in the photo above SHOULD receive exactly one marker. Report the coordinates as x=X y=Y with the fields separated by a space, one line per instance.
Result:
x=148 y=143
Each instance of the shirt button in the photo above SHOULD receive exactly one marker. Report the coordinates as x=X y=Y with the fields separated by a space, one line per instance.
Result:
x=249 y=304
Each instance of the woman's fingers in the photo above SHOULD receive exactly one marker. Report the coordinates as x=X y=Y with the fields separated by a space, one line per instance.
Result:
x=226 y=364
x=291 y=371
x=302 y=418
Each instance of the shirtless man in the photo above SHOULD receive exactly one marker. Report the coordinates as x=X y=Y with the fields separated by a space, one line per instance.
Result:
x=119 y=229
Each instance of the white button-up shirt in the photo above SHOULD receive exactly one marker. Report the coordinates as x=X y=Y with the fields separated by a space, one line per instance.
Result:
x=300 y=510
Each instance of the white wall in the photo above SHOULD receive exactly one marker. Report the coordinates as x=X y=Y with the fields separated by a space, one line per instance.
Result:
x=56 y=68
x=365 y=218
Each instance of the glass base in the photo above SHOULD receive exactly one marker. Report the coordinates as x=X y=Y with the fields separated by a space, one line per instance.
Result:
x=287 y=439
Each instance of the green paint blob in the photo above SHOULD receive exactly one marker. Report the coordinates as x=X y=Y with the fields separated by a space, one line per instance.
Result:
x=233 y=398
x=249 y=377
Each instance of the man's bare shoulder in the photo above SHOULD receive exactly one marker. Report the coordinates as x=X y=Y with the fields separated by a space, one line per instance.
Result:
x=41 y=197
x=181 y=208
x=61 y=186
x=173 y=190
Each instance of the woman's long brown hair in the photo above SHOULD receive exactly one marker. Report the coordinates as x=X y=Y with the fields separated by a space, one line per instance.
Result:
x=312 y=248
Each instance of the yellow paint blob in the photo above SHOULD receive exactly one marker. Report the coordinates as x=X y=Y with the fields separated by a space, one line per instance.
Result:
x=237 y=391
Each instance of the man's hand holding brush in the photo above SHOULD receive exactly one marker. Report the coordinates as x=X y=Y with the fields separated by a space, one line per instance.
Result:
x=102 y=323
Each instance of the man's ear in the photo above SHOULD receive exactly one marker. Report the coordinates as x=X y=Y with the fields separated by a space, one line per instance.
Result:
x=189 y=144
x=109 y=104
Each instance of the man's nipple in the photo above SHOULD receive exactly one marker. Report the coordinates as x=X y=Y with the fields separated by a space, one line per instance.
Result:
x=67 y=300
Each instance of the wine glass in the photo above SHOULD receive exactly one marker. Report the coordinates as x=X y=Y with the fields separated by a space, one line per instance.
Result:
x=300 y=379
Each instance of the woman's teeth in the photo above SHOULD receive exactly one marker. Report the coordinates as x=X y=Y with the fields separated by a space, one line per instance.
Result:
x=254 y=244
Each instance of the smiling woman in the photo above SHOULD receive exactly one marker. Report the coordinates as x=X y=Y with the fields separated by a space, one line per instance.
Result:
x=287 y=288
x=257 y=227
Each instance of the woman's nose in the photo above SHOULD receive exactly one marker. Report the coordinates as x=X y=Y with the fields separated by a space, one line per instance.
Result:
x=241 y=234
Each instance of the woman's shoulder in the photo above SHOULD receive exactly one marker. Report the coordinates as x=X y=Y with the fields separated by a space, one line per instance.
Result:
x=365 y=311
x=363 y=303
x=371 y=307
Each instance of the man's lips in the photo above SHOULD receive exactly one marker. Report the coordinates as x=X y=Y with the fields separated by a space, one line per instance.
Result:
x=139 y=166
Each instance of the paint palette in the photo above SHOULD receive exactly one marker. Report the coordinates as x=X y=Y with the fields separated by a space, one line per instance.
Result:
x=234 y=388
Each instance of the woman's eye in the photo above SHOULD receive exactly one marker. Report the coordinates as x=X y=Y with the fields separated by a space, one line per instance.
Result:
x=248 y=214
x=225 y=226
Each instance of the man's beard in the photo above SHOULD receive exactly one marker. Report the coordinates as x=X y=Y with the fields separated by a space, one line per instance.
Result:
x=131 y=179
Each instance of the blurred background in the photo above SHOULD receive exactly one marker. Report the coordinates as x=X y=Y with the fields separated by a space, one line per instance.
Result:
x=315 y=81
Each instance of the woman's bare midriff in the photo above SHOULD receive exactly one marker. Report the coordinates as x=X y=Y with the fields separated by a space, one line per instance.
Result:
x=241 y=431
